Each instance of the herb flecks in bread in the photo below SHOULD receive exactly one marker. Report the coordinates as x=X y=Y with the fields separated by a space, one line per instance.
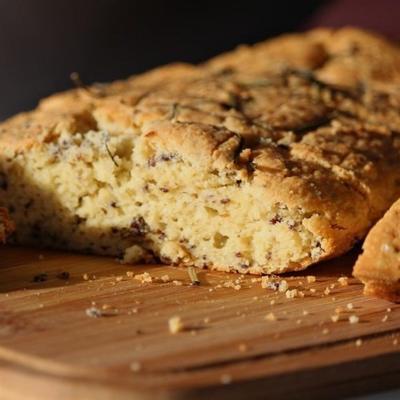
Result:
x=263 y=160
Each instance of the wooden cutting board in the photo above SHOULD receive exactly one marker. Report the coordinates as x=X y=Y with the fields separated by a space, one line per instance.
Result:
x=51 y=349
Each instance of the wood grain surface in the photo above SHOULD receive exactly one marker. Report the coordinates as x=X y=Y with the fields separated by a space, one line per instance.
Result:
x=50 y=348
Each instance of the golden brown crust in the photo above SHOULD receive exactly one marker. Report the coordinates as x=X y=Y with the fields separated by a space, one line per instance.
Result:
x=379 y=265
x=310 y=118
x=382 y=289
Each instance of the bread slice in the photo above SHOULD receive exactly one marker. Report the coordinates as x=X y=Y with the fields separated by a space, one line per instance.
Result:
x=263 y=160
x=6 y=225
x=379 y=265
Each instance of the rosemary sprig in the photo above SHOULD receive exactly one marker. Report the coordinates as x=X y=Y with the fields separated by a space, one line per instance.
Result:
x=193 y=276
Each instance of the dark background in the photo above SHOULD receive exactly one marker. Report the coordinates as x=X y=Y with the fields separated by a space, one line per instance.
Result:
x=43 y=41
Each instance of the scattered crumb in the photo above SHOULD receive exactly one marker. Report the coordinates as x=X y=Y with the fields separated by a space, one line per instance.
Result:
x=343 y=280
x=144 y=278
x=206 y=320
x=270 y=317
x=226 y=379
x=85 y=277
x=243 y=347
x=335 y=318
x=135 y=366
x=119 y=278
x=95 y=312
x=327 y=291
x=130 y=274
x=165 y=278
x=175 y=325
x=265 y=280
x=385 y=318
x=325 y=331
x=268 y=282
x=312 y=290
x=194 y=280
x=255 y=298
x=177 y=283
x=395 y=342
x=358 y=342
x=332 y=286
x=389 y=310
x=283 y=286
x=349 y=306
x=299 y=321
x=291 y=294
x=305 y=312
x=338 y=310
x=353 y=319
x=311 y=278
x=272 y=302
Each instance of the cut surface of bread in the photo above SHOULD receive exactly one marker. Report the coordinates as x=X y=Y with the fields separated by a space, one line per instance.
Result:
x=262 y=160
x=379 y=265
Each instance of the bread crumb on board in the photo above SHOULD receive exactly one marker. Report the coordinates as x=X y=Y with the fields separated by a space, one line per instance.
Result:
x=311 y=278
x=353 y=319
x=343 y=280
x=270 y=317
x=283 y=286
x=95 y=312
x=243 y=347
x=291 y=293
x=144 y=278
x=135 y=366
x=226 y=379
x=176 y=325
x=335 y=318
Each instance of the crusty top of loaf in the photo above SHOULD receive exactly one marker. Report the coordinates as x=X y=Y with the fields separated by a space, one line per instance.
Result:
x=313 y=117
